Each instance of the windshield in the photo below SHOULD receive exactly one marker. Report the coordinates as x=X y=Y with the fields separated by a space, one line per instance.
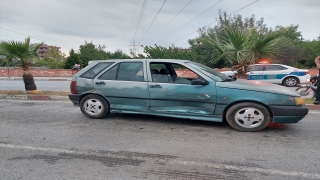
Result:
x=213 y=74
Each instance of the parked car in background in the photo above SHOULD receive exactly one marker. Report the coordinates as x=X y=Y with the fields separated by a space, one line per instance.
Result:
x=229 y=73
x=278 y=74
x=182 y=89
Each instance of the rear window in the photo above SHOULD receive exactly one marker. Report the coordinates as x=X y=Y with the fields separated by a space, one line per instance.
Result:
x=95 y=70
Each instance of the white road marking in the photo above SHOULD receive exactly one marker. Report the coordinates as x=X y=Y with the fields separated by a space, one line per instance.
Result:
x=171 y=161
x=314 y=112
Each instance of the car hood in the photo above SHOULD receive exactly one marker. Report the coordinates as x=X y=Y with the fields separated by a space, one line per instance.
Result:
x=257 y=86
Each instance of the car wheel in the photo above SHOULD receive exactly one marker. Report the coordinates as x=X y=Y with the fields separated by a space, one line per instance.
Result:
x=290 y=81
x=94 y=106
x=248 y=117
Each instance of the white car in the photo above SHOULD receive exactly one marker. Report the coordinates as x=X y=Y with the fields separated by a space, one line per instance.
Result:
x=229 y=73
x=278 y=74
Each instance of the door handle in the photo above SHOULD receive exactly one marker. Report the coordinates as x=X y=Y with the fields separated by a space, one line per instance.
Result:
x=155 y=86
x=101 y=82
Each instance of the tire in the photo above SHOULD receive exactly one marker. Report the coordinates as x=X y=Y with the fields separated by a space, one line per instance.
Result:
x=306 y=92
x=94 y=106
x=290 y=81
x=237 y=117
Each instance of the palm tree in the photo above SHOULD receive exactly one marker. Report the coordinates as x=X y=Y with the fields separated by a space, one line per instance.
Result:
x=244 y=47
x=24 y=53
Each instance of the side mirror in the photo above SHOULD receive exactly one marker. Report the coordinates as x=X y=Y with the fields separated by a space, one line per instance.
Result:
x=199 y=82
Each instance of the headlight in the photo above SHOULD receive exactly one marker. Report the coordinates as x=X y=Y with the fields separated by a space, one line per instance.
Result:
x=299 y=100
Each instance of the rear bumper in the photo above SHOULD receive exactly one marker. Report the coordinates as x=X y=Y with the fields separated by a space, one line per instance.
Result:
x=75 y=98
x=288 y=114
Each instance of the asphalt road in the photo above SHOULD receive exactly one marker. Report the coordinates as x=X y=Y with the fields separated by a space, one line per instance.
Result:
x=41 y=85
x=53 y=140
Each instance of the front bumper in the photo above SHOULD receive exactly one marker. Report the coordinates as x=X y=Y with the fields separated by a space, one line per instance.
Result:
x=288 y=114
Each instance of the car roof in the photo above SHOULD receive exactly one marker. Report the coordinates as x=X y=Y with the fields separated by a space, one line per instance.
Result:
x=133 y=60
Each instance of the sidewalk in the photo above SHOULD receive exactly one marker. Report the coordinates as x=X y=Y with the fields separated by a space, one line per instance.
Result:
x=39 y=78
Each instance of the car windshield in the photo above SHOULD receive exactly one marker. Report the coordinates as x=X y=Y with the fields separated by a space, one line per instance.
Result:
x=213 y=74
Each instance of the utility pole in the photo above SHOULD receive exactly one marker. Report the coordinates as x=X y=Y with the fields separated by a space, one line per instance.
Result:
x=134 y=48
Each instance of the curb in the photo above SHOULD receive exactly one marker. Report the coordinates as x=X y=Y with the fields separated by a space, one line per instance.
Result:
x=313 y=107
x=33 y=97
x=35 y=79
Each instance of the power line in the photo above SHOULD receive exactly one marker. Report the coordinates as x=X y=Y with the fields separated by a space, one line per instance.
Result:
x=34 y=21
x=191 y=20
x=33 y=37
x=140 y=17
x=22 y=31
x=215 y=21
x=173 y=18
x=152 y=21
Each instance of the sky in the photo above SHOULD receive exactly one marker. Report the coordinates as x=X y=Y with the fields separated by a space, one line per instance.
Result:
x=128 y=24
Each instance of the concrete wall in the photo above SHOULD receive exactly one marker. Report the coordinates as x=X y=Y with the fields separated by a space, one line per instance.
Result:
x=37 y=72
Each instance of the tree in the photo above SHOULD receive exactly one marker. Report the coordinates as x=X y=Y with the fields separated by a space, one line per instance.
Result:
x=53 y=59
x=159 y=52
x=90 y=51
x=309 y=50
x=71 y=60
x=118 y=54
x=24 y=53
x=204 y=51
x=243 y=47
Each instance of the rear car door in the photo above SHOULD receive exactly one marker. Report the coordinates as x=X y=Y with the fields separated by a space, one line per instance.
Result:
x=125 y=86
x=171 y=91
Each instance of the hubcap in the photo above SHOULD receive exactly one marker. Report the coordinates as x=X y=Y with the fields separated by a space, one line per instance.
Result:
x=249 y=117
x=93 y=107
x=291 y=82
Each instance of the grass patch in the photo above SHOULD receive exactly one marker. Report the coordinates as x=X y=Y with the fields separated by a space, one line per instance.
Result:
x=309 y=100
x=38 y=92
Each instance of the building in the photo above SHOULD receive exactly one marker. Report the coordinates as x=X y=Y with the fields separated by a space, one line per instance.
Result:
x=43 y=50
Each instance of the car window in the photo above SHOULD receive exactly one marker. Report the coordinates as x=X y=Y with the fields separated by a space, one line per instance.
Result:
x=256 y=68
x=274 y=67
x=160 y=73
x=183 y=74
x=91 y=73
x=130 y=71
x=110 y=74
x=215 y=75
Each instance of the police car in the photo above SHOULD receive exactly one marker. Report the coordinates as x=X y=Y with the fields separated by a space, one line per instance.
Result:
x=278 y=74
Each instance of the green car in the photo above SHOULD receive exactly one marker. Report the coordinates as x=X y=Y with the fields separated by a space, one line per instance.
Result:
x=182 y=89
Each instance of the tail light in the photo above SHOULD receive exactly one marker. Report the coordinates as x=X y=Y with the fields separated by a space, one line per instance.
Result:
x=307 y=73
x=73 y=87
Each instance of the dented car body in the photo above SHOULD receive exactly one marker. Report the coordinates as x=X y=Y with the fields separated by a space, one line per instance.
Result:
x=182 y=89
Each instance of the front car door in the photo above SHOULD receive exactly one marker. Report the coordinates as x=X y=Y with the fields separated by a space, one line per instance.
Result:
x=171 y=91
x=275 y=72
x=257 y=72
x=125 y=86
